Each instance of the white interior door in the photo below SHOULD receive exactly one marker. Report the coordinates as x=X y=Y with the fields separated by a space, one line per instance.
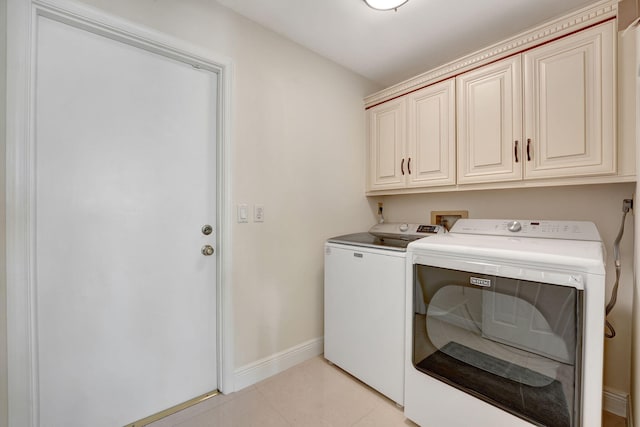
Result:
x=125 y=151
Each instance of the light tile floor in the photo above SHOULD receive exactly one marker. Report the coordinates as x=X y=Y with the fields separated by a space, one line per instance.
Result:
x=313 y=393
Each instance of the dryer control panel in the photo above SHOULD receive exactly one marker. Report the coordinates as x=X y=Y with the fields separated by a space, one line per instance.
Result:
x=567 y=230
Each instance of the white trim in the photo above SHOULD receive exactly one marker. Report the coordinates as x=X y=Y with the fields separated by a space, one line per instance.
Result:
x=225 y=225
x=94 y=20
x=543 y=33
x=278 y=362
x=19 y=327
x=615 y=402
x=21 y=18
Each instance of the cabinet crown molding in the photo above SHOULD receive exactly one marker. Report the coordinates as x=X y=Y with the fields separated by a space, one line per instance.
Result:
x=553 y=29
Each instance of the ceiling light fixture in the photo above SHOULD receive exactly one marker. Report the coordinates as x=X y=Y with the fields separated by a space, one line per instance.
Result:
x=385 y=4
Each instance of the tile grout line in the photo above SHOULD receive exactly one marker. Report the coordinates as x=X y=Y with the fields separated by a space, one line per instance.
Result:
x=364 y=416
x=264 y=396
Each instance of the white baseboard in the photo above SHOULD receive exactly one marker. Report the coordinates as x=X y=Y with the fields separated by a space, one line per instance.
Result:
x=615 y=402
x=276 y=363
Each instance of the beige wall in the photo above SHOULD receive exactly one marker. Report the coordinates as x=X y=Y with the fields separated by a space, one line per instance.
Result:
x=3 y=288
x=628 y=11
x=601 y=204
x=298 y=149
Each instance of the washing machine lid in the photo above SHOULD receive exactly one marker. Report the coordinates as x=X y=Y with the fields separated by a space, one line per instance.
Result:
x=369 y=240
x=490 y=241
x=390 y=236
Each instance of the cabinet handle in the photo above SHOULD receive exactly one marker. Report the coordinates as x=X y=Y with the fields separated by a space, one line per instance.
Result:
x=402 y=167
x=515 y=151
x=528 y=149
x=409 y=165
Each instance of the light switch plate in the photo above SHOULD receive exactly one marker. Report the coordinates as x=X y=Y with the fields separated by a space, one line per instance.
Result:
x=243 y=213
x=258 y=213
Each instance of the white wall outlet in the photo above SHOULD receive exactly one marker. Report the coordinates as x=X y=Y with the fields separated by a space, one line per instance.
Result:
x=243 y=213
x=258 y=213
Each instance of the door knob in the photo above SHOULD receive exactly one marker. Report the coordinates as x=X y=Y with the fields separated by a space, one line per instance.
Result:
x=207 y=250
x=207 y=229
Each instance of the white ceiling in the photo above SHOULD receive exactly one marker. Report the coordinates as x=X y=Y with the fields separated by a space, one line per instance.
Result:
x=389 y=47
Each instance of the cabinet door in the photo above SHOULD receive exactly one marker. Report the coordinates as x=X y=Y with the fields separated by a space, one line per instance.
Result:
x=387 y=165
x=570 y=105
x=431 y=154
x=490 y=123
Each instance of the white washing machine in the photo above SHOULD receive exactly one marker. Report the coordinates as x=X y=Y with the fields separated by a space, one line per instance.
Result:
x=505 y=325
x=364 y=289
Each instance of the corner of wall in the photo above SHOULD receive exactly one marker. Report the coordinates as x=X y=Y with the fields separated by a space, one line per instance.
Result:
x=628 y=11
x=626 y=131
x=634 y=398
x=3 y=288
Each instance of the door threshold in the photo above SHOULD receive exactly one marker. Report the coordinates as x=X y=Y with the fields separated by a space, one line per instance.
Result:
x=170 y=411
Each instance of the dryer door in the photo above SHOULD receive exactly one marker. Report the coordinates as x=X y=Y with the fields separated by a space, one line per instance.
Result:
x=513 y=343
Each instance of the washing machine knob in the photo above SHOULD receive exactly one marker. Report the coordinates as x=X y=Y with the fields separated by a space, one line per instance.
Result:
x=514 y=226
x=404 y=227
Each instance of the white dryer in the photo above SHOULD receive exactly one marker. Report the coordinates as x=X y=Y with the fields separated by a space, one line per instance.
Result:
x=505 y=325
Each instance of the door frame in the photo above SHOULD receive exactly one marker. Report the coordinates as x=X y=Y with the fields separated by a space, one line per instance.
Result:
x=20 y=172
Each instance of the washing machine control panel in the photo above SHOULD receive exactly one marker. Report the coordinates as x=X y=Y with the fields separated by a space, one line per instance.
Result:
x=405 y=230
x=569 y=230
x=429 y=229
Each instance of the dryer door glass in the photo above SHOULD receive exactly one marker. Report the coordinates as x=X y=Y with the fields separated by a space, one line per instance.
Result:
x=515 y=344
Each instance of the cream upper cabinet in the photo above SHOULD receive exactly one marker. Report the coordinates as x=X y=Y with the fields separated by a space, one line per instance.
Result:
x=542 y=108
x=412 y=139
x=489 y=106
x=387 y=141
x=568 y=111
x=569 y=97
x=431 y=152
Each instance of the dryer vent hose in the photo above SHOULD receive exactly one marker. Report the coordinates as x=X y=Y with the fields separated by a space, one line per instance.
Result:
x=610 y=332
